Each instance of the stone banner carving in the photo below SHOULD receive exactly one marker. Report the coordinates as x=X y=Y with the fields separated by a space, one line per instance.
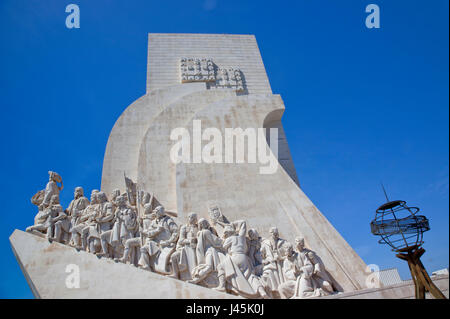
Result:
x=133 y=228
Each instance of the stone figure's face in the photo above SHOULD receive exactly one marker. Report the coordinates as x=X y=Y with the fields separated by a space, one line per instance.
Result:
x=289 y=250
x=214 y=213
x=274 y=233
x=252 y=234
x=300 y=243
x=203 y=224
x=121 y=200
x=78 y=192
x=159 y=211
x=192 y=218
x=93 y=197
x=101 y=197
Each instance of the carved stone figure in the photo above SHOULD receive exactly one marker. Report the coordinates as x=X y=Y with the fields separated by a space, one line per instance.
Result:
x=240 y=262
x=98 y=223
x=52 y=187
x=184 y=259
x=272 y=275
x=254 y=251
x=126 y=224
x=87 y=223
x=114 y=194
x=40 y=220
x=313 y=280
x=43 y=196
x=81 y=223
x=135 y=243
x=235 y=271
x=322 y=282
x=57 y=220
x=90 y=232
x=304 y=287
x=292 y=265
x=145 y=197
x=62 y=226
x=75 y=209
x=160 y=243
x=208 y=251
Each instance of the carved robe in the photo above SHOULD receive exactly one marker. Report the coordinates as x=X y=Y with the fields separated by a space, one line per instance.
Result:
x=208 y=245
x=291 y=270
x=163 y=229
x=208 y=252
x=237 y=266
x=272 y=275
x=50 y=189
x=254 y=253
x=304 y=287
x=102 y=220
x=321 y=280
x=76 y=208
x=186 y=246
x=125 y=226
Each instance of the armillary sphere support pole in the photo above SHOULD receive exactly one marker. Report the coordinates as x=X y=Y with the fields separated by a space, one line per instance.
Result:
x=422 y=280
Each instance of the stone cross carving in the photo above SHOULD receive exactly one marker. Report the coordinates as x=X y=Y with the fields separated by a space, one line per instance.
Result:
x=197 y=70
x=204 y=70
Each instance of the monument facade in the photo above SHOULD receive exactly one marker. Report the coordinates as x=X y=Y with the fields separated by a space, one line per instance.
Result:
x=180 y=201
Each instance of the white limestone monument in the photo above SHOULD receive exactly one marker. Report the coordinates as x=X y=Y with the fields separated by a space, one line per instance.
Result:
x=199 y=196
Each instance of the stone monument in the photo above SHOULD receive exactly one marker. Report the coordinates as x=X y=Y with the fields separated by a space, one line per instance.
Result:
x=187 y=208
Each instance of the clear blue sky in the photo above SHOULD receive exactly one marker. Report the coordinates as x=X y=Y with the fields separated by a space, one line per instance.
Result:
x=362 y=105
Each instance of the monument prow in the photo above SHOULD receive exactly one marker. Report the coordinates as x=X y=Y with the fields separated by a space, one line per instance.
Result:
x=51 y=270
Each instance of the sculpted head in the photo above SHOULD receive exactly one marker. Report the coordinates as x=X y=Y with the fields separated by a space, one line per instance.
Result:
x=274 y=233
x=55 y=177
x=192 y=218
x=94 y=196
x=288 y=249
x=299 y=243
x=311 y=256
x=79 y=192
x=253 y=234
x=159 y=211
x=121 y=200
x=203 y=224
x=101 y=197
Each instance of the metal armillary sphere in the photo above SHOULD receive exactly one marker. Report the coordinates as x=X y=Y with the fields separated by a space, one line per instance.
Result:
x=400 y=227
